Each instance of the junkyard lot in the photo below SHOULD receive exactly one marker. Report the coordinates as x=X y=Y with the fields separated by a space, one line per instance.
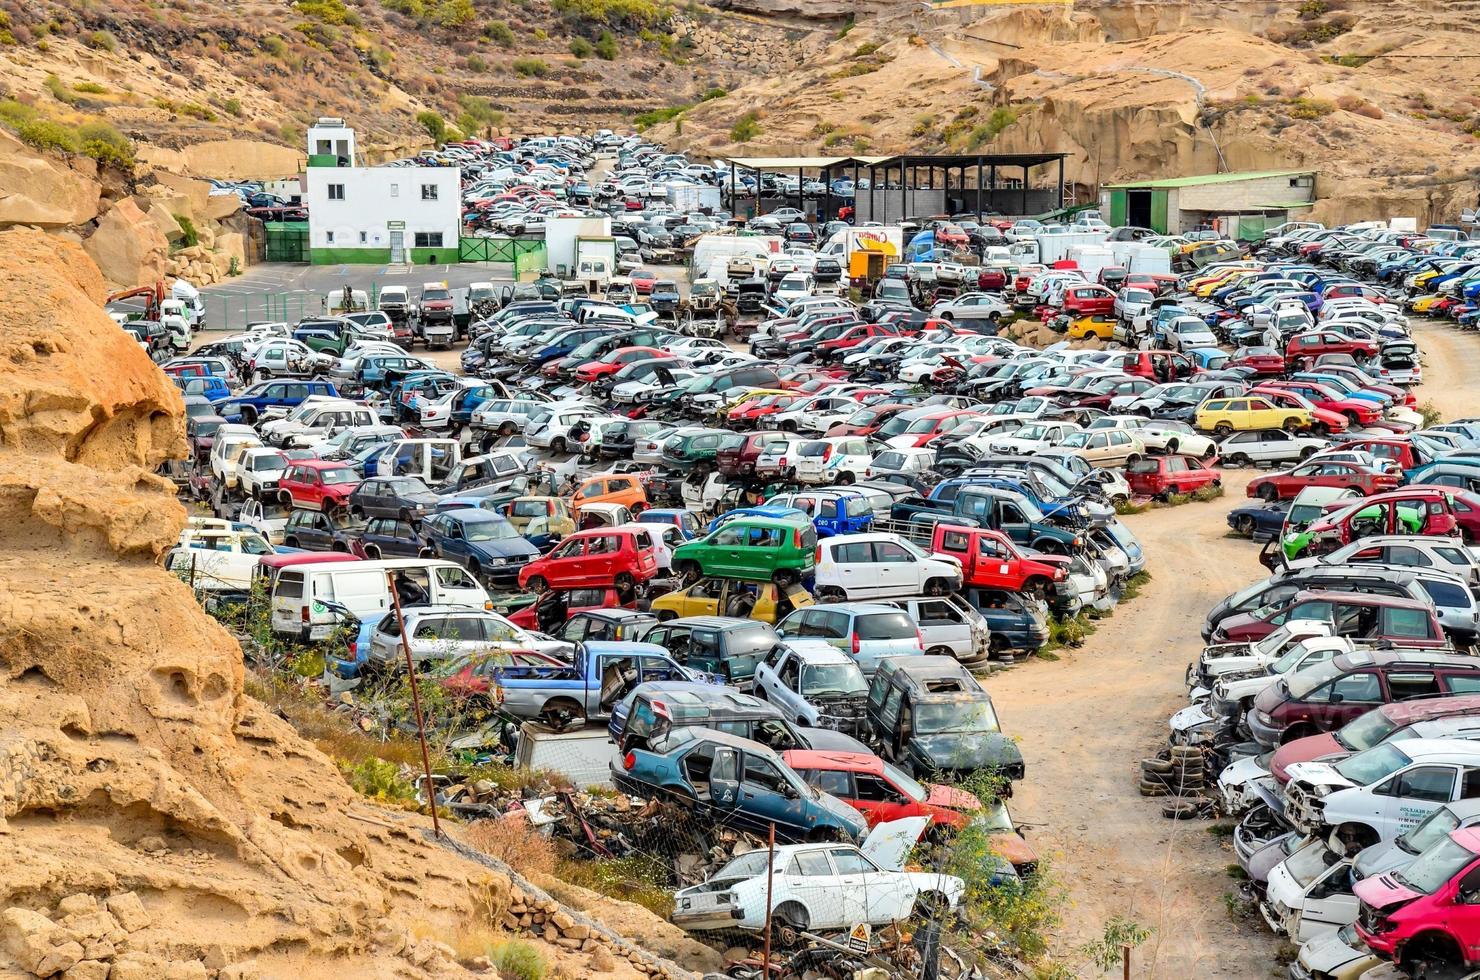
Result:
x=1086 y=721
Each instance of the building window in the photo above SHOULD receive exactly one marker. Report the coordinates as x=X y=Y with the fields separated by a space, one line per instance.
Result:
x=428 y=192
x=428 y=239
x=362 y=238
x=336 y=192
x=329 y=237
x=395 y=190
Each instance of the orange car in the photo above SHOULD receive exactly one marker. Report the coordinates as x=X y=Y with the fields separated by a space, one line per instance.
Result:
x=610 y=488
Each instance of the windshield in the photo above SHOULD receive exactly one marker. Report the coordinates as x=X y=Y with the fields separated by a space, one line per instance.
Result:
x=1365 y=732
x=269 y=461
x=939 y=719
x=913 y=789
x=893 y=427
x=832 y=679
x=1310 y=862
x=340 y=474
x=1366 y=768
x=1076 y=440
x=498 y=530
x=1435 y=866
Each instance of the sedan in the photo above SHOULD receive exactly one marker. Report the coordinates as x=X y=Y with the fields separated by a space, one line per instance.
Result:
x=1342 y=476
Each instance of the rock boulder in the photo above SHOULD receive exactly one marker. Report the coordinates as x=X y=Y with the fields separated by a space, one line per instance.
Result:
x=128 y=246
x=38 y=190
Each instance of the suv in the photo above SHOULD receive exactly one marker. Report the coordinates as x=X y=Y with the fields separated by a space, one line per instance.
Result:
x=1373 y=618
x=814 y=685
x=931 y=716
x=1328 y=696
x=722 y=645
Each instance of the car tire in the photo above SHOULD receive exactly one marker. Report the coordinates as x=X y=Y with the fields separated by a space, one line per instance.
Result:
x=285 y=498
x=624 y=582
x=559 y=445
x=357 y=512
x=1222 y=430
x=1268 y=492
x=249 y=415
x=426 y=553
x=938 y=651
x=1291 y=425
x=1245 y=525
x=1153 y=789
x=846 y=480
x=667 y=616
x=290 y=542
x=474 y=569
x=689 y=571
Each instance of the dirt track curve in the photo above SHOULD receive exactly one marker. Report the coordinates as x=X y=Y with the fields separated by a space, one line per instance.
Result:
x=1085 y=721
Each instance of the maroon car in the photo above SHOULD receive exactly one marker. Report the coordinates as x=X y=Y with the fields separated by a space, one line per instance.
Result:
x=867 y=420
x=1327 y=696
x=737 y=453
x=1361 y=616
x=1377 y=725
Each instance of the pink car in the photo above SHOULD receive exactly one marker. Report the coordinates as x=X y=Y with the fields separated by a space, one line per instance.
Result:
x=1427 y=914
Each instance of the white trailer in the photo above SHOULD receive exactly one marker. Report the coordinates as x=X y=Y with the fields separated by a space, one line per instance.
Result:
x=707 y=248
x=562 y=234
x=1055 y=247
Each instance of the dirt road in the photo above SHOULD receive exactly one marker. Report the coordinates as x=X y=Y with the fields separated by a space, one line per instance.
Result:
x=1085 y=721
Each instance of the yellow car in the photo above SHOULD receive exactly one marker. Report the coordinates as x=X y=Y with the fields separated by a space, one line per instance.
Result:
x=1095 y=325
x=1423 y=304
x=741 y=398
x=731 y=597
x=1223 y=416
x=1220 y=277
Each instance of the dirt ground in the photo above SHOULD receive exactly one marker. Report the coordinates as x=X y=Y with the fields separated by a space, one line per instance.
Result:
x=1085 y=721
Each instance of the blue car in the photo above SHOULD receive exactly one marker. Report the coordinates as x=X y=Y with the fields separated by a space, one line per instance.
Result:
x=737 y=783
x=1016 y=625
x=684 y=520
x=1260 y=521
x=263 y=395
x=1208 y=358
x=483 y=542
x=210 y=387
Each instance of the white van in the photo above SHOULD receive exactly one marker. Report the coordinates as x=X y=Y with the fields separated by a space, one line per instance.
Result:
x=869 y=566
x=949 y=626
x=300 y=592
x=217 y=559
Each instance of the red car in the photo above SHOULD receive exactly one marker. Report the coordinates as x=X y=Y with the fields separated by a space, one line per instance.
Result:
x=643 y=280
x=1376 y=726
x=990 y=560
x=554 y=607
x=991 y=277
x=867 y=420
x=317 y=484
x=1088 y=299
x=1160 y=366
x=1358 y=411
x=595 y=558
x=1265 y=362
x=1306 y=347
x=927 y=427
x=467 y=677
x=1343 y=476
x=854 y=336
x=952 y=235
x=1157 y=282
x=1430 y=917
x=615 y=361
x=1162 y=476
x=753 y=411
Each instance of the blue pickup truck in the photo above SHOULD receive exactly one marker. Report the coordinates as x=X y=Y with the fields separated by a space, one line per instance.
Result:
x=599 y=676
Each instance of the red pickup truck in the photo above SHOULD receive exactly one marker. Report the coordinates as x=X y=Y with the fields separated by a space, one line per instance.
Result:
x=990 y=560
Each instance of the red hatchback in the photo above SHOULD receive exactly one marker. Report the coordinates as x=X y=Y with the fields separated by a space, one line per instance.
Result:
x=1306 y=347
x=1162 y=476
x=317 y=484
x=552 y=608
x=643 y=280
x=595 y=558
x=1344 y=476
x=1358 y=411
x=615 y=361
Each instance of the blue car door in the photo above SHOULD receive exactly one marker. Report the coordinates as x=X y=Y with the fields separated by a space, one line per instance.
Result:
x=766 y=798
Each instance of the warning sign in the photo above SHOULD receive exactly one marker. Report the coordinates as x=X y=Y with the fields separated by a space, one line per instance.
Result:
x=858 y=937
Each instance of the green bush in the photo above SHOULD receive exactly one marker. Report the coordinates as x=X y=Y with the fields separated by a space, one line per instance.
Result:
x=102 y=41
x=91 y=88
x=434 y=124
x=379 y=780
x=324 y=11
x=192 y=237
x=474 y=63
x=274 y=45
x=452 y=13
x=606 y=46
x=654 y=116
x=746 y=128
x=105 y=144
x=517 y=960
x=866 y=48
x=714 y=93
x=531 y=67
x=411 y=8
x=628 y=13
x=499 y=33
x=580 y=47
x=477 y=112
x=1001 y=118
x=47 y=135
x=59 y=90
x=13 y=113
x=233 y=107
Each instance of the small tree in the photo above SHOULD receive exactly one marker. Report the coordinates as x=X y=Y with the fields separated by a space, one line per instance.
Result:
x=434 y=124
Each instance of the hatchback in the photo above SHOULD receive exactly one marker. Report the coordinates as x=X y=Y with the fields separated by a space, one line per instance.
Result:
x=869 y=632
x=592 y=559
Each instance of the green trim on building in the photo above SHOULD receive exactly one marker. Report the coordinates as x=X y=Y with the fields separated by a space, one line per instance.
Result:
x=1202 y=179
x=382 y=256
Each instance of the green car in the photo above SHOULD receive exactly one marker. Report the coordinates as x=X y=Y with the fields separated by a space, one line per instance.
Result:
x=758 y=549
x=1296 y=541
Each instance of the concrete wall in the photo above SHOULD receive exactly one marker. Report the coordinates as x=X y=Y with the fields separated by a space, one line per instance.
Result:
x=885 y=206
x=375 y=197
x=1244 y=195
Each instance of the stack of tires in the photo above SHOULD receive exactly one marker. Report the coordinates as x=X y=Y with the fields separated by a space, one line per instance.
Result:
x=1179 y=774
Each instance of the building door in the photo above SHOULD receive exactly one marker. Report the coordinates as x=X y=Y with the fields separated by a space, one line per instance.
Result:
x=1138 y=208
x=398 y=246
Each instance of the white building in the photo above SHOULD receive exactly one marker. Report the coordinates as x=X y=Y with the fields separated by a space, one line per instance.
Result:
x=331 y=137
x=378 y=215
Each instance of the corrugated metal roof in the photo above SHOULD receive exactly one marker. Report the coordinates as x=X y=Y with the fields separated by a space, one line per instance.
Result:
x=1198 y=181
x=789 y=163
x=1287 y=205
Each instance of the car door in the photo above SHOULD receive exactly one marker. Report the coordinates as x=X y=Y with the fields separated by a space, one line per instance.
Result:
x=811 y=881
x=1414 y=794
x=857 y=571
x=766 y=797
x=725 y=550
x=1329 y=903
x=898 y=570
x=455 y=587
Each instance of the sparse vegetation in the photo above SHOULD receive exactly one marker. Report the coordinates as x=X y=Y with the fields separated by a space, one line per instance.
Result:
x=655 y=116
x=477 y=113
x=59 y=90
x=746 y=128
x=606 y=46
x=101 y=41
x=1001 y=118
x=187 y=228
x=865 y=49
x=499 y=32
x=1305 y=107
x=1106 y=952
x=233 y=107
x=617 y=13
x=517 y=960
x=580 y=47
x=1431 y=414
x=475 y=64
x=434 y=124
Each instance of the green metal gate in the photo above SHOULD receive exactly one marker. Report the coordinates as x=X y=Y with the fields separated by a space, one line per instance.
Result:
x=286 y=241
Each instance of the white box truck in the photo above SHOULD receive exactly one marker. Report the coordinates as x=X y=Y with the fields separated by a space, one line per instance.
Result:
x=562 y=234
x=1055 y=247
x=707 y=248
x=693 y=197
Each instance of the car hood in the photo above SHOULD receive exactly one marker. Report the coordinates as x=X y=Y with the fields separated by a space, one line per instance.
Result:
x=1384 y=892
x=1317 y=774
x=1303 y=750
x=967 y=750
x=951 y=798
x=507 y=548
x=845 y=814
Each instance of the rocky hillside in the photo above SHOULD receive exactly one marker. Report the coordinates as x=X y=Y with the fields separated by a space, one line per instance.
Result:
x=1377 y=105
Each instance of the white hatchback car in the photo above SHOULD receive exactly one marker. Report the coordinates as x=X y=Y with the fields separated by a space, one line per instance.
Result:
x=841 y=460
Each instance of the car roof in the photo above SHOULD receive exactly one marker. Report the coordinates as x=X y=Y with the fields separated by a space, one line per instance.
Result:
x=855 y=608
x=718 y=622
x=445 y=608
x=1440 y=749
x=838 y=761
x=1407 y=712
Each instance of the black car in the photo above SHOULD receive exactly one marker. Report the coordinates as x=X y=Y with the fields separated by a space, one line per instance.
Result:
x=619 y=439
x=1259 y=520
x=389 y=537
x=315 y=530
x=406 y=497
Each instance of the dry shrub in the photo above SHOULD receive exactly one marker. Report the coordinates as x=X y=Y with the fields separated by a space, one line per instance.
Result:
x=1349 y=103
x=514 y=842
x=1369 y=110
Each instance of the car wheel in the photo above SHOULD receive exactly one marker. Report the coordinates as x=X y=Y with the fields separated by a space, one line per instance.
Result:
x=939 y=652
x=537 y=584
x=1306 y=452
x=1291 y=425
x=372 y=553
x=426 y=553
x=249 y=415
x=290 y=542
x=937 y=587
x=1222 y=430
x=357 y=512
x=689 y=571
x=1239 y=459
x=624 y=582
x=788 y=923
x=1269 y=492
x=1245 y=525
x=507 y=429
x=846 y=479
x=475 y=569
x=285 y=498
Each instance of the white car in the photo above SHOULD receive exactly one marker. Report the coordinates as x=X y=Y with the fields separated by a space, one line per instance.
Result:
x=1032 y=436
x=816 y=413
x=971 y=306
x=1268 y=446
x=215 y=559
x=793 y=286
x=231 y=440
x=259 y=469
x=551 y=429
x=1188 y=333
x=823 y=887
x=880 y=566
x=1417 y=551
x=267 y=516
x=841 y=460
x=319 y=422
x=1174 y=437
x=1309 y=894
x=439 y=633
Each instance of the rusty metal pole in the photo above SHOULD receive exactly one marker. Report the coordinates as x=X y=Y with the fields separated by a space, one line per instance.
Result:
x=770 y=873
x=1125 y=960
x=421 y=728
